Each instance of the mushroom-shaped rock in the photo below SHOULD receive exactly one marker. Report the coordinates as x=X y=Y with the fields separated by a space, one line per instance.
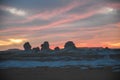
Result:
x=27 y=46
x=45 y=46
x=69 y=45
x=56 y=48
x=36 y=49
x=106 y=48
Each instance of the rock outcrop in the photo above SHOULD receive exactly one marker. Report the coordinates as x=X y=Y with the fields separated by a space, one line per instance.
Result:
x=36 y=49
x=27 y=46
x=56 y=49
x=69 y=45
x=45 y=46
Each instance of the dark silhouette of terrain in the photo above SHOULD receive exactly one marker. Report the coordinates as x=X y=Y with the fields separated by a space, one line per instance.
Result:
x=56 y=48
x=45 y=46
x=69 y=45
x=69 y=50
x=27 y=46
x=69 y=53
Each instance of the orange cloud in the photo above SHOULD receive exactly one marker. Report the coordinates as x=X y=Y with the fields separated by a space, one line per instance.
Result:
x=115 y=44
x=4 y=43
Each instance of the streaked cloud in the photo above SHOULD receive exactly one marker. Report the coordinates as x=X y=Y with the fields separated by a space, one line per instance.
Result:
x=107 y=10
x=14 y=10
x=17 y=41
x=11 y=42
x=4 y=43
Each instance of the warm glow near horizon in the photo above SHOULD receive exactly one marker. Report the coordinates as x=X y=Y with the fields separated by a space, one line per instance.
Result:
x=115 y=44
x=12 y=41
x=17 y=41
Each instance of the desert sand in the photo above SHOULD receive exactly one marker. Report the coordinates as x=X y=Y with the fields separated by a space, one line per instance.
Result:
x=46 y=73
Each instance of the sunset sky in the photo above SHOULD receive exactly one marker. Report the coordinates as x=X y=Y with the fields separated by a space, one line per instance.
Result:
x=88 y=23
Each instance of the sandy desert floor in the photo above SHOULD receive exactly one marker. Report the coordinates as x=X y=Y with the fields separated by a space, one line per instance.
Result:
x=45 y=73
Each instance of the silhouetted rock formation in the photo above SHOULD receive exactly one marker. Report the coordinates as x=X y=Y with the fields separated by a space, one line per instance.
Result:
x=69 y=45
x=36 y=49
x=45 y=46
x=27 y=46
x=56 y=48
x=106 y=47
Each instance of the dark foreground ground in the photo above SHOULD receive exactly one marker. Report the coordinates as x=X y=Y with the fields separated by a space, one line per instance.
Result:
x=45 y=73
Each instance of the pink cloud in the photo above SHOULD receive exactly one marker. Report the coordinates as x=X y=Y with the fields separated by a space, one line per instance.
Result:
x=49 y=14
x=101 y=36
x=114 y=5
x=46 y=14
x=68 y=19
